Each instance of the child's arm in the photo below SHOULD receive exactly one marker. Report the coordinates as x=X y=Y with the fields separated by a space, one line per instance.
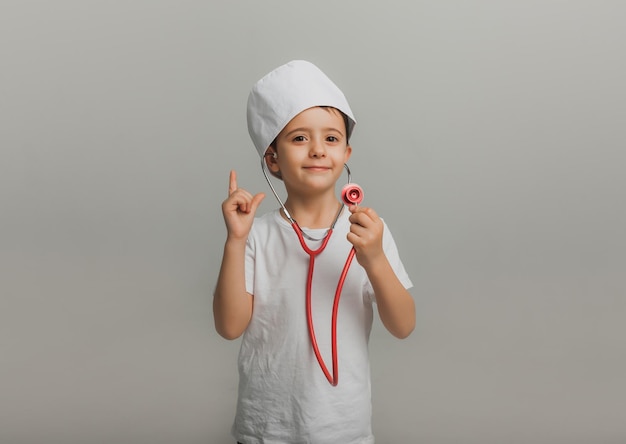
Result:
x=232 y=304
x=395 y=305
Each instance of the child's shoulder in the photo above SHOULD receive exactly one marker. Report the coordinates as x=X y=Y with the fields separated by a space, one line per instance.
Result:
x=268 y=227
x=271 y=220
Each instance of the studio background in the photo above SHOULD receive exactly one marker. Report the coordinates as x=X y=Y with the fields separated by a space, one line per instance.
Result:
x=490 y=137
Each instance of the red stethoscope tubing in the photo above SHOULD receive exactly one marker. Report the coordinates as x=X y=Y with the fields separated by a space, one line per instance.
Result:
x=351 y=194
x=333 y=378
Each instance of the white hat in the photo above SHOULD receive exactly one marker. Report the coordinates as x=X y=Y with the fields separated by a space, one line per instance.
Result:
x=286 y=92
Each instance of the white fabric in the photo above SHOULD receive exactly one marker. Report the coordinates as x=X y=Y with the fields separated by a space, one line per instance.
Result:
x=286 y=92
x=283 y=395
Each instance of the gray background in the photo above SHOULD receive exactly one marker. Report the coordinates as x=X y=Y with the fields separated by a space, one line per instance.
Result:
x=491 y=137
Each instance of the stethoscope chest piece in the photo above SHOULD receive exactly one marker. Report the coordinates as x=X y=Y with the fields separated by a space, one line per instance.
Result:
x=352 y=194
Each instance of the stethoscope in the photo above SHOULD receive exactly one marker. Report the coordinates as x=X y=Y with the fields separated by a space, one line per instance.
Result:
x=351 y=194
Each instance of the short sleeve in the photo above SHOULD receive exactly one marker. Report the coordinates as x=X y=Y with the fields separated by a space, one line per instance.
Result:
x=391 y=251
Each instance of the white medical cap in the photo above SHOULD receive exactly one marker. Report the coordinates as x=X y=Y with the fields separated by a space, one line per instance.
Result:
x=286 y=92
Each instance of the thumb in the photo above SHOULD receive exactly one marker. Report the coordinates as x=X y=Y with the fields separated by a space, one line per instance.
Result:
x=256 y=201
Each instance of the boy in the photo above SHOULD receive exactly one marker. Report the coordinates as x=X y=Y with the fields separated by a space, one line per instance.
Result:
x=300 y=123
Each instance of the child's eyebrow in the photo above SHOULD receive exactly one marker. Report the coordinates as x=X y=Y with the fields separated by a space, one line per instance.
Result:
x=306 y=129
x=332 y=128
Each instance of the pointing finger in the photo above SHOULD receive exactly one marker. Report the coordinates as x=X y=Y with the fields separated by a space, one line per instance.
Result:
x=232 y=185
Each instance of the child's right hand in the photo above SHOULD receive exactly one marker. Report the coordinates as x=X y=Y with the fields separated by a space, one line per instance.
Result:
x=239 y=209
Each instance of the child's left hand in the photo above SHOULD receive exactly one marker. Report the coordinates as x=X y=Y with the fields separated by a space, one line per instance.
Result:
x=366 y=235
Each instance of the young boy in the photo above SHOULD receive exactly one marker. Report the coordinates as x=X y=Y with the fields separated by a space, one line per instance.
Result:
x=300 y=123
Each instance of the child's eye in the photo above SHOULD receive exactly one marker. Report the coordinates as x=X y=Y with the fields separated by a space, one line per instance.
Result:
x=299 y=139
x=332 y=139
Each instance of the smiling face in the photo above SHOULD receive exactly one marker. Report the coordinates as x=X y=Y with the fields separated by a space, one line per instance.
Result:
x=311 y=151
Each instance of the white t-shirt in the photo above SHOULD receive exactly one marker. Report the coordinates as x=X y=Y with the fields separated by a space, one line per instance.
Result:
x=284 y=397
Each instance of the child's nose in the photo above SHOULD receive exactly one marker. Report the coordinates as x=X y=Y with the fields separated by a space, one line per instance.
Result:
x=318 y=149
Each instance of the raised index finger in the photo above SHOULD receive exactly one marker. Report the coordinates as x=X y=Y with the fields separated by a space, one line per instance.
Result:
x=232 y=182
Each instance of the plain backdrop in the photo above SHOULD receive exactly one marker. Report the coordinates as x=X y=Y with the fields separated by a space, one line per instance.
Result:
x=491 y=137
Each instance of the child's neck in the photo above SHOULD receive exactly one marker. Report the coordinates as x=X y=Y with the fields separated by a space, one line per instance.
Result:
x=313 y=213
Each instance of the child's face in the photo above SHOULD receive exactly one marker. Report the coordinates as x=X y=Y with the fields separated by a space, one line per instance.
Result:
x=311 y=150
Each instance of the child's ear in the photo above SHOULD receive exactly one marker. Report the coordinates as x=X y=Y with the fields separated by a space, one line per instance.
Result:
x=270 y=160
x=348 y=153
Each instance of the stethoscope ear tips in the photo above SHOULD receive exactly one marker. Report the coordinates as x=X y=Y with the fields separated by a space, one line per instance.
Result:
x=352 y=194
